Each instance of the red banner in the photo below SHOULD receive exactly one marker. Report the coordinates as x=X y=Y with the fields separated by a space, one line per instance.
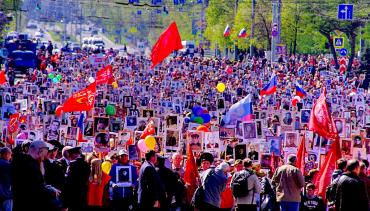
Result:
x=80 y=101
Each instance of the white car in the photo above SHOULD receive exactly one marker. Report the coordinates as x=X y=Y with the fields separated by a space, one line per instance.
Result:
x=97 y=43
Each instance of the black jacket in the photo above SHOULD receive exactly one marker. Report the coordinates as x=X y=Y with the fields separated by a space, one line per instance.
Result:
x=29 y=188
x=54 y=174
x=351 y=194
x=150 y=186
x=74 y=194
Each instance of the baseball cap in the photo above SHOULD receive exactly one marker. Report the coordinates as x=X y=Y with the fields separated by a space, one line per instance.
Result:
x=122 y=152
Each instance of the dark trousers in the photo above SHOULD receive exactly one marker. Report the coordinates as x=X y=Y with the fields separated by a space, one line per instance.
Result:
x=243 y=207
x=123 y=204
x=208 y=207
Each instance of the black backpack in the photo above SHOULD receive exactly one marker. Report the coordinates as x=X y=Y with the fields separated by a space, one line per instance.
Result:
x=239 y=184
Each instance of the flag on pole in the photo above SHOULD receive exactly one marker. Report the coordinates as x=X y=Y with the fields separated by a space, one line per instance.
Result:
x=322 y=124
x=81 y=128
x=169 y=41
x=104 y=75
x=190 y=174
x=80 y=101
x=242 y=110
x=301 y=154
x=242 y=33
x=320 y=119
x=270 y=88
x=299 y=91
x=227 y=31
x=323 y=178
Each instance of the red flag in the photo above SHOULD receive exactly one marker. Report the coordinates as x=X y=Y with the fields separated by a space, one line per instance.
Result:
x=320 y=119
x=104 y=75
x=301 y=154
x=2 y=77
x=79 y=101
x=13 y=123
x=190 y=174
x=323 y=178
x=169 y=41
x=322 y=124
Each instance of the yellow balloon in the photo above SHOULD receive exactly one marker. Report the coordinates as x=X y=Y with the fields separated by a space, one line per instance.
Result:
x=221 y=87
x=106 y=166
x=150 y=142
x=115 y=85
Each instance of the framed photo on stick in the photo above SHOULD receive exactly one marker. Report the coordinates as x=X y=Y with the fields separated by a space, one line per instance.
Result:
x=123 y=176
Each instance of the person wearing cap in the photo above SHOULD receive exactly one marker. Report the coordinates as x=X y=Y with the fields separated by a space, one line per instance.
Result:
x=214 y=183
x=54 y=174
x=123 y=197
x=150 y=189
x=29 y=187
x=77 y=177
x=206 y=162
x=288 y=182
x=6 y=202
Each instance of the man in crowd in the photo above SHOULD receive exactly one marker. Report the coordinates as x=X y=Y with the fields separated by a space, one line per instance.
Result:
x=363 y=176
x=123 y=197
x=311 y=201
x=29 y=188
x=64 y=161
x=214 y=182
x=288 y=181
x=54 y=174
x=206 y=160
x=151 y=189
x=351 y=192
x=341 y=167
x=77 y=176
x=6 y=202
x=252 y=186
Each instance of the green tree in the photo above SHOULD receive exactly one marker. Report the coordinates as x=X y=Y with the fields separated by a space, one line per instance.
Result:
x=218 y=15
x=323 y=16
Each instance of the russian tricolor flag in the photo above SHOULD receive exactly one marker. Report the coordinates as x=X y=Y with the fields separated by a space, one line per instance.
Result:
x=269 y=88
x=242 y=110
x=299 y=91
x=242 y=33
x=81 y=128
x=227 y=31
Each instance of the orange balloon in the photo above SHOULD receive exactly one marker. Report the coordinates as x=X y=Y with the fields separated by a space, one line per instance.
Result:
x=202 y=128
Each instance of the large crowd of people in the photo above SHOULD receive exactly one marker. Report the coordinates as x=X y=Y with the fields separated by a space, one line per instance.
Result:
x=103 y=159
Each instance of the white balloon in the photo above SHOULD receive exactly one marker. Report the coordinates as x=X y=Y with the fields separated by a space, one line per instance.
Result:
x=91 y=80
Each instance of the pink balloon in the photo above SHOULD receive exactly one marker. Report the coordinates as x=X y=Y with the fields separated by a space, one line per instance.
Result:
x=142 y=146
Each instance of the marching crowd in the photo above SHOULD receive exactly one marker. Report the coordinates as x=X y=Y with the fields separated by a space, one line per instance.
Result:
x=44 y=165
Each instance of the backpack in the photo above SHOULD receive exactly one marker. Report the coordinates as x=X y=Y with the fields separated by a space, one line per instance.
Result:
x=239 y=184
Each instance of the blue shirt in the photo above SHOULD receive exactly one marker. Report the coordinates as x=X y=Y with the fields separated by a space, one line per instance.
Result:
x=123 y=192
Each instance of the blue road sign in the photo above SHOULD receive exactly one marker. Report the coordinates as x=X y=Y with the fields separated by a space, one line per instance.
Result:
x=338 y=42
x=343 y=52
x=345 y=11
